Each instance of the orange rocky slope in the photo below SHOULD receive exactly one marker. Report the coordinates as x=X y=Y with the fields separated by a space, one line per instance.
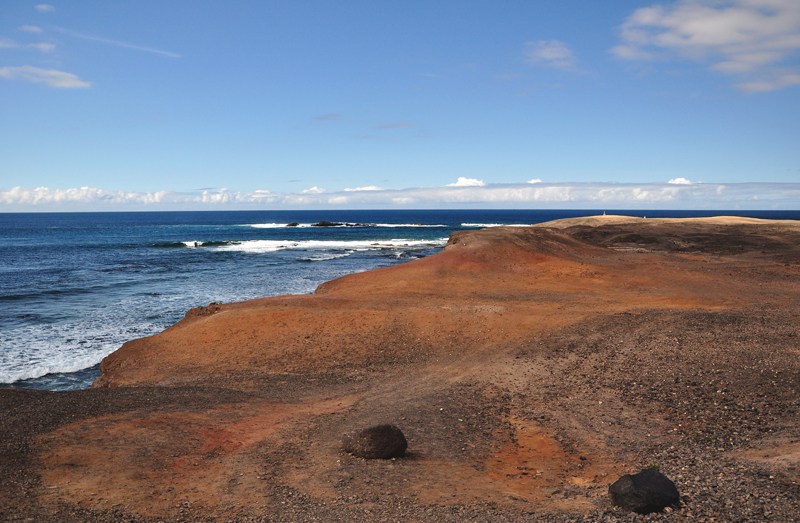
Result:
x=489 y=291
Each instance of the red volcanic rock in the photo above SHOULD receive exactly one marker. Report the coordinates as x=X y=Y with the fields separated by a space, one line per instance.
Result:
x=489 y=290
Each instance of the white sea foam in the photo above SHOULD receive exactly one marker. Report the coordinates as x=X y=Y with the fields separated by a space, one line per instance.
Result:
x=327 y=256
x=302 y=225
x=390 y=225
x=63 y=362
x=62 y=348
x=343 y=224
x=35 y=350
x=262 y=246
x=274 y=225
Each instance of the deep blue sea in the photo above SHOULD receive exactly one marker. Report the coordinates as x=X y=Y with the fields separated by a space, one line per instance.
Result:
x=75 y=286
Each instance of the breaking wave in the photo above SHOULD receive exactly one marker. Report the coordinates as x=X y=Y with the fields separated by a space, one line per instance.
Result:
x=262 y=246
x=339 y=224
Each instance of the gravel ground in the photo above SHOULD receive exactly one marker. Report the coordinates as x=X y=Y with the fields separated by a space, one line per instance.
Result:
x=713 y=387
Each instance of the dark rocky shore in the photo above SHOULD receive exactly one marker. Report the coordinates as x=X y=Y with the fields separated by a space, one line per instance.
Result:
x=525 y=423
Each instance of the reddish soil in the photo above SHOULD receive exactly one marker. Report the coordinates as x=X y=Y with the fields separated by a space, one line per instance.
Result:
x=528 y=367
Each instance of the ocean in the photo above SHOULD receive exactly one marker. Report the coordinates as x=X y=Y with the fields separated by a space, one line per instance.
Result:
x=75 y=286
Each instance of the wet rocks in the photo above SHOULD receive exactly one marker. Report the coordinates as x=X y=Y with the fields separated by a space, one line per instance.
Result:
x=645 y=492
x=378 y=442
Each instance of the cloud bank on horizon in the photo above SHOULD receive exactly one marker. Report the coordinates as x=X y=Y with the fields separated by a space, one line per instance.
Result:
x=678 y=193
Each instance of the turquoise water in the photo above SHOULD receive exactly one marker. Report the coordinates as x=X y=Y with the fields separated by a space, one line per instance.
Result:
x=76 y=286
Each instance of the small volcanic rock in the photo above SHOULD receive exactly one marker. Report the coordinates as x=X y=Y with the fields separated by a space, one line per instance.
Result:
x=212 y=308
x=645 y=492
x=378 y=442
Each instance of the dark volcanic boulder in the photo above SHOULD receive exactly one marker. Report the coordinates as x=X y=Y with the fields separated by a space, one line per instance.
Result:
x=645 y=492
x=378 y=442
x=293 y=224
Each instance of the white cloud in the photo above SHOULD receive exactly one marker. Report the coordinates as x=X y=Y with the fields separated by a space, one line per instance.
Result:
x=680 y=181
x=402 y=200
x=7 y=43
x=31 y=29
x=43 y=47
x=776 y=82
x=313 y=190
x=466 y=182
x=50 y=77
x=535 y=180
x=45 y=8
x=219 y=197
x=551 y=53
x=738 y=37
x=631 y=52
x=367 y=188
x=118 y=44
x=338 y=200
x=696 y=195
x=44 y=196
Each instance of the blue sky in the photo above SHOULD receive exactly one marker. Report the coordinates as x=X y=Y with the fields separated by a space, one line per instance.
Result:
x=212 y=105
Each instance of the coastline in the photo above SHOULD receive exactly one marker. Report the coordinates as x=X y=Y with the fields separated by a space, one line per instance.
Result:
x=510 y=341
